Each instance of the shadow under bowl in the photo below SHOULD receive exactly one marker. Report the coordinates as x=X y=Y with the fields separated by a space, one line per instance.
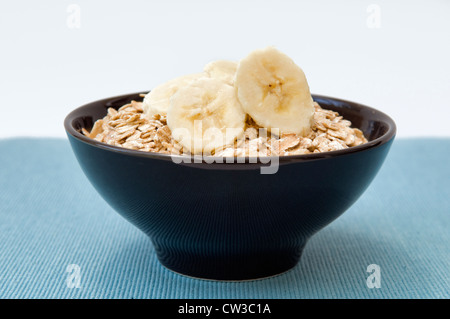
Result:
x=227 y=221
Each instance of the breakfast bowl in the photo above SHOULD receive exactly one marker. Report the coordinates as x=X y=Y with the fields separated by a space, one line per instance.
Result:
x=230 y=221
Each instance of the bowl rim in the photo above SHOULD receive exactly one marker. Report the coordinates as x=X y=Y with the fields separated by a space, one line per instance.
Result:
x=383 y=139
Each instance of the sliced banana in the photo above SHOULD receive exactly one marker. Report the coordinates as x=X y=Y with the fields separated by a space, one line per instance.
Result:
x=157 y=101
x=205 y=116
x=273 y=90
x=222 y=69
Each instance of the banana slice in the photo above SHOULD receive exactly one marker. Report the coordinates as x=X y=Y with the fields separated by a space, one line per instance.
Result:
x=273 y=90
x=205 y=116
x=222 y=69
x=157 y=101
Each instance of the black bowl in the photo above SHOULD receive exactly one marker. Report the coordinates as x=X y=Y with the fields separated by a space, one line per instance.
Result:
x=228 y=221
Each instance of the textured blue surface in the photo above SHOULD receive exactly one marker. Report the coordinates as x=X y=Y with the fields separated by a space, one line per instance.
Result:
x=50 y=217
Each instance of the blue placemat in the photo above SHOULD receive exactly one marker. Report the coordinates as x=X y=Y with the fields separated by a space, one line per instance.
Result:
x=51 y=218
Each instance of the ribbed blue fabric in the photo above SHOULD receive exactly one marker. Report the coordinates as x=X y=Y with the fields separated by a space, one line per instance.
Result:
x=51 y=217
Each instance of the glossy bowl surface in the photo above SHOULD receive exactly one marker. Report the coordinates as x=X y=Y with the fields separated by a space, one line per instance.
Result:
x=227 y=221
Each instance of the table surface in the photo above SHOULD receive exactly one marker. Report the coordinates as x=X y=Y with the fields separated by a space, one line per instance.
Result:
x=52 y=218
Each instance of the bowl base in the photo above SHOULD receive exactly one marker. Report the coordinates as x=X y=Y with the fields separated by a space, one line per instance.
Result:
x=231 y=280
x=231 y=268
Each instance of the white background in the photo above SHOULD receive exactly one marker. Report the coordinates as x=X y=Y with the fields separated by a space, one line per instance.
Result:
x=48 y=68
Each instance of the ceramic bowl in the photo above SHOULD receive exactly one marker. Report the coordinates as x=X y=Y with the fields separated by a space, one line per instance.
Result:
x=227 y=221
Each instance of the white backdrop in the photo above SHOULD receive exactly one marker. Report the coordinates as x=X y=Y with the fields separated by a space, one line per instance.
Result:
x=57 y=54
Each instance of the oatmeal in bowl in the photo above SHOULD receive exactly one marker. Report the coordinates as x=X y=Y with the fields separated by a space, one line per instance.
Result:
x=230 y=221
x=128 y=127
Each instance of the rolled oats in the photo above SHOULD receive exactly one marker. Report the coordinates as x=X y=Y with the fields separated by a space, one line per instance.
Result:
x=129 y=128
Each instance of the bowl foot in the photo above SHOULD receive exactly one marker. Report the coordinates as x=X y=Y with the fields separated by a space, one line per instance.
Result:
x=232 y=267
